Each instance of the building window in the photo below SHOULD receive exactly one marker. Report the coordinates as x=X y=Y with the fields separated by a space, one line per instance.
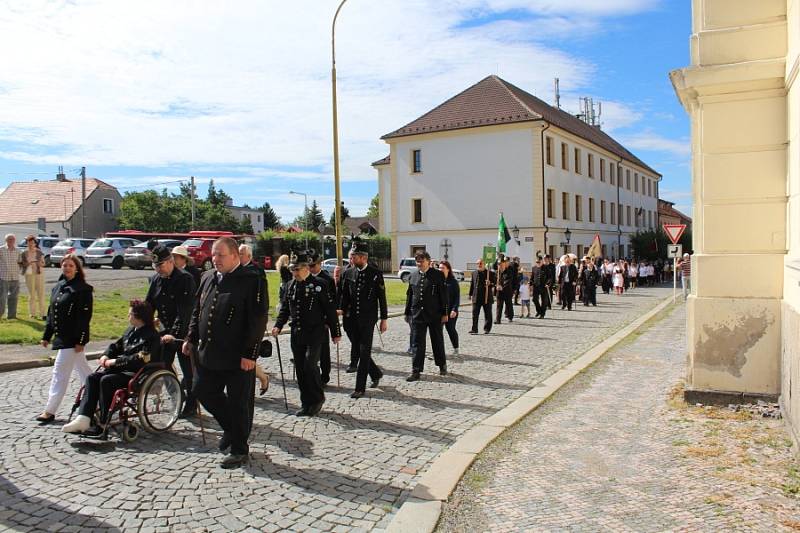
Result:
x=628 y=214
x=611 y=173
x=628 y=179
x=602 y=211
x=564 y=156
x=577 y=161
x=259 y=219
x=416 y=161
x=655 y=189
x=591 y=209
x=550 y=199
x=649 y=188
x=642 y=184
x=613 y=213
x=416 y=208
x=551 y=250
x=549 y=150
x=590 y=166
x=565 y=205
x=602 y=169
x=578 y=207
x=636 y=182
x=620 y=212
x=108 y=206
x=650 y=219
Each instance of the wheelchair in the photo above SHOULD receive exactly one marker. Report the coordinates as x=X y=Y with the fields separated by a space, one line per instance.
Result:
x=153 y=396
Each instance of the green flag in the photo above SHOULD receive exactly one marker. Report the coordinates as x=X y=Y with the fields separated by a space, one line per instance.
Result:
x=503 y=236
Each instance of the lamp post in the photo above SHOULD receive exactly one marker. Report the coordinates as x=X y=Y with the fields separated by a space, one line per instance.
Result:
x=305 y=213
x=337 y=199
x=321 y=229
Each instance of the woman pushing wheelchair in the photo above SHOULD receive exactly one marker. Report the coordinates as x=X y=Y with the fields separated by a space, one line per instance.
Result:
x=139 y=345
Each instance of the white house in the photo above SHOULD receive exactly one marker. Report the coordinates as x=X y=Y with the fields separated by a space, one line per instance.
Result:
x=496 y=148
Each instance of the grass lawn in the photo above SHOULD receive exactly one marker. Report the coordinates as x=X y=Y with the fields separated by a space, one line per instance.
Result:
x=109 y=318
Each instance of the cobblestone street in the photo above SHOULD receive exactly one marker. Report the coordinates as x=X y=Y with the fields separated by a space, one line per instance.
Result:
x=617 y=450
x=347 y=470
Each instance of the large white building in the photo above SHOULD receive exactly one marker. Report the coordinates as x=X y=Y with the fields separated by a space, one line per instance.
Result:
x=496 y=148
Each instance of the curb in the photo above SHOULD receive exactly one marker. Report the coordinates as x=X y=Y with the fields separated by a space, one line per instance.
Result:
x=91 y=356
x=421 y=511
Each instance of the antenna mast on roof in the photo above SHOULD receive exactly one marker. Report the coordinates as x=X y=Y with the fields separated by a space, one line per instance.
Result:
x=588 y=112
x=558 y=93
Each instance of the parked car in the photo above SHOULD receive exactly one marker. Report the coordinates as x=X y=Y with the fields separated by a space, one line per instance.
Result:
x=109 y=252
x=139 y=256
x=45 y=245
x=68 y=246
x=200 y=252
x=329 y=265
x=409 y=265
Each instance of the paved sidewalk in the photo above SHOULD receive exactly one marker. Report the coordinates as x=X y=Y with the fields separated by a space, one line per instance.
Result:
x=348 y=470
x=617 y=450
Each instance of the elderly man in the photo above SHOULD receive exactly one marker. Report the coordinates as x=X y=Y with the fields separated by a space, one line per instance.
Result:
x=9 y=277
x=228 y=323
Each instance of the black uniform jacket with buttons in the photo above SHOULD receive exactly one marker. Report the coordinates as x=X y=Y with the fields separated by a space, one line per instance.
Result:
x=539 y=277
x=325 y=276
x=589 y=277
x=173 y=299
x=477 y=286
x=363 y=295
x=69 y=314
x=506 y=281
x=229 y=318
x=308 y=305
x=262 y=276
x=550 y=271
x=136 y=348
x=426 y=297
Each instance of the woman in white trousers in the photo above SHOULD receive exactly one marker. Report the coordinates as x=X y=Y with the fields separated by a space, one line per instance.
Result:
x=68 y=319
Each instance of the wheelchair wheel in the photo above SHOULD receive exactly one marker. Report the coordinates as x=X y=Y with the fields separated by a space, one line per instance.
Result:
x=159 y=401
x=129 y=432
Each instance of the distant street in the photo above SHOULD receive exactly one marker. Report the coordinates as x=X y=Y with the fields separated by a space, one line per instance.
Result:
x=104 y=275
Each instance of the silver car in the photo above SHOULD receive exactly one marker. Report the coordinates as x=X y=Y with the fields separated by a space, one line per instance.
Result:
x=109 y=252
x=68 y=246
x=139 y=256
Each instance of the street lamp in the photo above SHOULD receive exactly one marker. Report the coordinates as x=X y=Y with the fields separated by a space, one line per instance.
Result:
x=515 y=233
x=567 y=235
x=305 y=213
x=337 y=199
x=321 y=229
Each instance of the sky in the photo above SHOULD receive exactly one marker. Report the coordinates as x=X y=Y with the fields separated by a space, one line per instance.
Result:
x=145 y=94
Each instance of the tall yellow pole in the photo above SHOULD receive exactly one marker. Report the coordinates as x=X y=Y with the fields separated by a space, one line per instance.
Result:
x=338 y=201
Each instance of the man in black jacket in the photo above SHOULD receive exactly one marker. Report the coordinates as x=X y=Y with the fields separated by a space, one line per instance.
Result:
x=481 y=294
x=426 y=303
x=353 y=366
x=228 y=323
x=363 y=302
x=540 y=292
x=550 y=272
x=315 y=266
x=171 y=295
x=307 y=303
x=567 y=280
x=506 y=278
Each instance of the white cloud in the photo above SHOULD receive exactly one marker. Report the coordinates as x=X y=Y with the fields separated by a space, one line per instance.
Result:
x=654 y=142
x=162 y=83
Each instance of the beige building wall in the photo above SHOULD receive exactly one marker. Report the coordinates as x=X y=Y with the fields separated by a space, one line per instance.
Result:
x=740 y=93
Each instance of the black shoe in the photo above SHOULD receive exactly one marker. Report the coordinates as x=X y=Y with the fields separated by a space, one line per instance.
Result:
x=496 y=321
x=234 y=460
x=188 y=411
x=351 y=369
x=443 y=370
x=357 y=394
x=224 y=442
x=473 y=332
x=325 y=380
x=487 y=331
x=375 y=383
x=43 y=420
x=302 y=412
x=92 y=432
x=413 y=377
x=315 y=409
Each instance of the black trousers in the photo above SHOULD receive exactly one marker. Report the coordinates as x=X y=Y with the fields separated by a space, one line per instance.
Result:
x=99 y=389
x=325 y=357
x=504 y=298
x=186 y=381
x=450 y=326
x=487 y=316
x=227 y=395
x=348 y=329
x=589 y=295
x=541 y=299
x=567 y=295
x=551 y=291
x=306 y=348
x=168 y=351
x=437 y=344
x=363 y=334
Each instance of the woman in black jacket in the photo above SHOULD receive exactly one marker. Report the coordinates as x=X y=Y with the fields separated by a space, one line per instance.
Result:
x=453 y=301
x=68 y=319
x=121 y=361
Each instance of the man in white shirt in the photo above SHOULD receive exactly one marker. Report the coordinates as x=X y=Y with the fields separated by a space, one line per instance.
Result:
x=9 y=276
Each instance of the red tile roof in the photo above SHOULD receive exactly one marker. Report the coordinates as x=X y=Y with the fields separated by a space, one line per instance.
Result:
x=55 y=200
x=665 y=208
x=494 y=101
x=385 y=161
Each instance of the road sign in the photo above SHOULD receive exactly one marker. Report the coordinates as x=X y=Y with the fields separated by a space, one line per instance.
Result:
x=674 y=231
x=674 y=250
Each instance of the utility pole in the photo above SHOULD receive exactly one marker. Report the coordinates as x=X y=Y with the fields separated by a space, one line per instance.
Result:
x=192 y=196
x=83 y=202
x=337 y=200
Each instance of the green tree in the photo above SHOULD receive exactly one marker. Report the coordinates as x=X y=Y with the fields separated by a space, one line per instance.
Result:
x=374 y=207
x=271 y=219
x=343 y=212
x=312 y=215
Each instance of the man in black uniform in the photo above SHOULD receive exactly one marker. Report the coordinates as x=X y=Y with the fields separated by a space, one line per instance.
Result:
x=363 y=300
x=315 y=267
x=307 y=302
x=540 y=292
x=481 y=294
x=426 y=302
x=505 y=290
x=550 y=271
x=567 y=280
x=353 y=366
x=171 y=295
x=228 y=323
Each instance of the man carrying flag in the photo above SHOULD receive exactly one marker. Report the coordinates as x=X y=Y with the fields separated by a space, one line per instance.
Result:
x=503 y=236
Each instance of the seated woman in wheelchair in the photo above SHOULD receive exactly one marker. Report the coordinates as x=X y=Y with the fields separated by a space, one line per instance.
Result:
x=121 y=361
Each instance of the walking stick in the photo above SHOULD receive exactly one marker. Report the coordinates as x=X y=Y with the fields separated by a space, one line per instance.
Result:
x=199 y=411
x=283 y=380
x=380 y=336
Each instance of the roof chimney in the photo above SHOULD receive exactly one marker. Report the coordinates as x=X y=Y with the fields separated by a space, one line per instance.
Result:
x=61 y=176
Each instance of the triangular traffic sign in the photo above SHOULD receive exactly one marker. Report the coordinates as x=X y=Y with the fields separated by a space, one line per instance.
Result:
x=674 y=231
